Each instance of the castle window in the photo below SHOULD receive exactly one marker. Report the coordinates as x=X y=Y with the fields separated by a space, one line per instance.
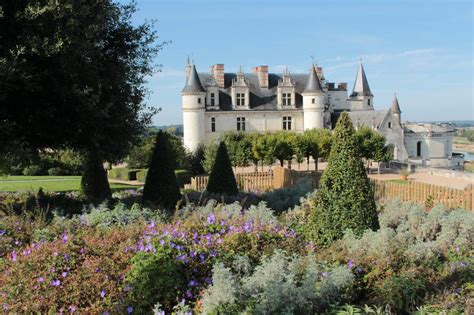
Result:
x=313 y=100
x=286 y=99
x=368 y=102
x=418 y=148
x=213 y=100
x=199 y=100
x=240 y=123
x=287 y=123
x=213 y=124
x=240 y=99
x=389 y=125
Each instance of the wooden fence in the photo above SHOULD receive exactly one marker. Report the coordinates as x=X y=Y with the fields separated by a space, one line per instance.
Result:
x=420 y=192
x=262 y=181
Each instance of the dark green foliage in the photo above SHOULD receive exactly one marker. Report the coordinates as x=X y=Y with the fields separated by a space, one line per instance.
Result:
x=94 y=183
x=161 y=187
x=196 y=160
x=345 y=198
x=222 y=179
x=141 y=175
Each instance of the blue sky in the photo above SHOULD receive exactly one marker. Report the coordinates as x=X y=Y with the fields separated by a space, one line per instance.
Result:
x=422 y=50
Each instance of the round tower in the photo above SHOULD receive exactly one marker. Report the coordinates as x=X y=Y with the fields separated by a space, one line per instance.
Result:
x=193 y=101
x=313 y=102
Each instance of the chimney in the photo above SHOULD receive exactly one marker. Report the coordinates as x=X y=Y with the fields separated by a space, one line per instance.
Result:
x=342 y=86
x=319 y=72
x=218 y=73
x=262 y=72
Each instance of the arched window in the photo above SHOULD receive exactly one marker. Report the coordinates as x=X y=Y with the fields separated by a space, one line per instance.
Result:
x=418 y=148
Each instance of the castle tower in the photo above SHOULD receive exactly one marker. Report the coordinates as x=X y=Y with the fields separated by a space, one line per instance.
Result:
x=395 y=108
x=193 y=100
x=361 y=97
x=313 y=102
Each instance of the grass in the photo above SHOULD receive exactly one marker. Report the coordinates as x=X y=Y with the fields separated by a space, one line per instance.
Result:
x=462 y=140
x=48 y=183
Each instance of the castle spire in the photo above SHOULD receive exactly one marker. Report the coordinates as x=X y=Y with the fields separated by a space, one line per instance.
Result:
x=395 y=106
x=313 y=85
x=361 y=85
x=193 y=83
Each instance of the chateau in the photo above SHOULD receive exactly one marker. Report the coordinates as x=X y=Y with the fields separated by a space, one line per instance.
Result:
x=260 y=101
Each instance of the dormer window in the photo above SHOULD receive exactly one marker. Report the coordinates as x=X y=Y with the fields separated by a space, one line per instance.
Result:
x=213 y=99
x=286 y=99
x=389 y=125
x=240 y=99
x=313 y=101
x=368 y=102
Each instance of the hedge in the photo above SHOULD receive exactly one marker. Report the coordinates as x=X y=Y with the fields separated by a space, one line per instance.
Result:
x=123 y=173
x=183 y=176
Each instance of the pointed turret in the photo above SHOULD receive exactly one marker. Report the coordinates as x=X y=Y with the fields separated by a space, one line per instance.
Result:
x=395 y=109
x=313 y=85
x=361 y=85
x=193 y=83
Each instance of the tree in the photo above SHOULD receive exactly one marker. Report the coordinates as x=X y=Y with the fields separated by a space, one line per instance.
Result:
x=73 y=74
x=222 y=179
x=210 y=152
x=321 y=142
x=161 y=187
x=283 y=149
x=94 y=184
x=300 y=148
x=345 y=199
x=196 y=160
x=371 y=144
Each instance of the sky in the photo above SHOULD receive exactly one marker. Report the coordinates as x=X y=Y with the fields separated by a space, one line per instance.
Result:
x=421 y=50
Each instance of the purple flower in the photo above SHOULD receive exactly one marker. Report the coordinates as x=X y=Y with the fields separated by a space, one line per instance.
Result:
x=350 y=264
x=2 y=232
x=127 y=288
x=106 y=312
x=5 y=306
x=52 y=269
x=72 y=309
x=162 y=242
x=13 y=257
x=458 y=248
x=211 y=218
x=64 y=238
x=64 y=274
x=55 y=283
x=189 y=294
x=192 y=283
x=129 y=309
x=359 y=270
x=40 y=279
x=151 y=225
x=102 y=293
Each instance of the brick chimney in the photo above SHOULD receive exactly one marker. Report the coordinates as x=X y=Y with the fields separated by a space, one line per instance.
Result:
x=262 y=72
x=342 y=86
x=217 y=71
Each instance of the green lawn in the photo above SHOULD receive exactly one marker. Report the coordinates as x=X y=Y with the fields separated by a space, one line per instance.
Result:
x=48 y=183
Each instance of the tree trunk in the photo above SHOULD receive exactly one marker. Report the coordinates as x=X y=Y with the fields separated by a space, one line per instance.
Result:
x=289 y=164
x=378 y=168
x=262 y=165
x=307 y=164
x=281 y=163
x=315 y=164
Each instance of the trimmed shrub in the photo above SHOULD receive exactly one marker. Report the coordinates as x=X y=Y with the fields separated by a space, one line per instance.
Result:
x=161 y=187
x=57 y=171
x=345 y=199
x=183 y=177
x=123 y=173
x=32 y=170
x=94 y=183
x=222 y=179
x=141 y=175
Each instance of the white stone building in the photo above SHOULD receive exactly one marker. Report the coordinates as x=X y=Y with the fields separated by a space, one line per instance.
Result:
x=260 y=101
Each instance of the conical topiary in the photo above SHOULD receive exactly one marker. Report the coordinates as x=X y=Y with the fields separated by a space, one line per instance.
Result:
x=345 y=198
x=161 y=187
x=222 y=179
x=94 y=183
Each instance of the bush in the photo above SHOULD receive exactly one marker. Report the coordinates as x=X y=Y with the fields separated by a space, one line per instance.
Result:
x=222 y=179
x=281 y=284
x=57 y=171
x=33 y=170
x=141 y=175
x=345 y=199
x=94 y=183
x=123 y=173
x=286 y=198
x=183 y=177
x=161 y=187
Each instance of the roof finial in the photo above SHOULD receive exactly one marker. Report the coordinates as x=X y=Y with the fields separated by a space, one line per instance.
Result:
x=240 y=69
x=188 y=62
x=313 y=61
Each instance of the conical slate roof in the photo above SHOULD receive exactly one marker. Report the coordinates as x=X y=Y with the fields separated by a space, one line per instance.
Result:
x=361 y=85
x=313 y=85
x=395 y=107
x=193 y=83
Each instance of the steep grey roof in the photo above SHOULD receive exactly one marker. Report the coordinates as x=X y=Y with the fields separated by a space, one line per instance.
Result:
x=313 y=85
x=395 y=107
x=193 y=83
x=359 y=118
x=361 y=85
x=260 y=98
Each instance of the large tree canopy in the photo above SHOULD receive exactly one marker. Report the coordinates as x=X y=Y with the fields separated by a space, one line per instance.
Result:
x=72 y=74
